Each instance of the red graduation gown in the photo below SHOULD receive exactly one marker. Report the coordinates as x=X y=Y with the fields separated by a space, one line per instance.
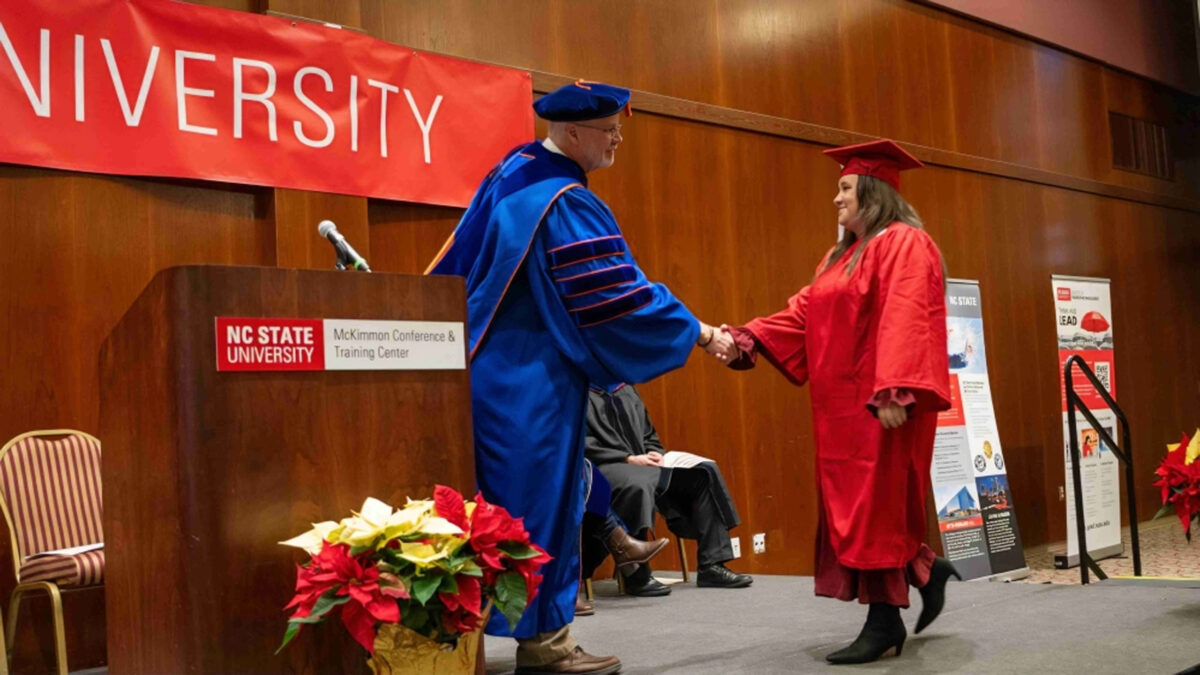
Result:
x=881 y=327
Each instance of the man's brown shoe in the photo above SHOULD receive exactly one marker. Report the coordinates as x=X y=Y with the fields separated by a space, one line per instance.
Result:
x=578 y=662
x=583 y=606
x=628 y=551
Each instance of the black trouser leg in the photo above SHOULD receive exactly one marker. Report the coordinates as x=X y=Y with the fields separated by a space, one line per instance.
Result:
x=639 y=576
x=689 y=492
x=714 y=545
x=592 y=548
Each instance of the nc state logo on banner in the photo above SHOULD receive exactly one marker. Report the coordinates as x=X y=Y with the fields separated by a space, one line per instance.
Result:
x=270 y=344
x=161 y=88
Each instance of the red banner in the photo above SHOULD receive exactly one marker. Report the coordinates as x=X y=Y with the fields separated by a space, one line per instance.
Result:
x=164 y=88
x=1100 y=361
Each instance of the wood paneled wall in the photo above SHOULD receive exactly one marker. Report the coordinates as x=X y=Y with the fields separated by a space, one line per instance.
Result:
x=1152 y=38
x=883 y=67
x=732 y=220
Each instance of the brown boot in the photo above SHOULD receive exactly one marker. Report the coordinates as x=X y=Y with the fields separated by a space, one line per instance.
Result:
x=628 y=551
x=578 y=662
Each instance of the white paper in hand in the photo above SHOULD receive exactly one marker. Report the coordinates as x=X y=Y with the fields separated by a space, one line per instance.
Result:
x=682 y=460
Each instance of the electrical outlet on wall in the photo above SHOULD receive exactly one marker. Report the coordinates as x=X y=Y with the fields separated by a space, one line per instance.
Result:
x=736 y=542
x=760 y=542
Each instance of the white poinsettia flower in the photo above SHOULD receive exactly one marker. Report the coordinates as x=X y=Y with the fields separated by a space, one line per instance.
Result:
x=375 y=512
x=438 y=525
x=324 y=528
x=424 y=555
x=357 y=531
x=311 y=541
x=408 y=520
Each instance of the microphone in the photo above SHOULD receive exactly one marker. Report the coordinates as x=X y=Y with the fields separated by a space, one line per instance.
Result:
x=347 y=256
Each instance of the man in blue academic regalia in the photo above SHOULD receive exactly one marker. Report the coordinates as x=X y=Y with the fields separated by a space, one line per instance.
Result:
x=554 y=301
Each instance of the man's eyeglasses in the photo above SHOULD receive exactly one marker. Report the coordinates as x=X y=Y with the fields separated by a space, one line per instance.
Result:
x=612 y=131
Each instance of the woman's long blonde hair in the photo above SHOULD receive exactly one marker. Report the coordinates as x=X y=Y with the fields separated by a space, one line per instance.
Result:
x=879 y=205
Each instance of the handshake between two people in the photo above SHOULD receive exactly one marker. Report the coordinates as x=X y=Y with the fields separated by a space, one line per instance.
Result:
x=719 y=343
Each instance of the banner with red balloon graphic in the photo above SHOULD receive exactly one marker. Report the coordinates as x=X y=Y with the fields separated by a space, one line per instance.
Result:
x=1083 y=313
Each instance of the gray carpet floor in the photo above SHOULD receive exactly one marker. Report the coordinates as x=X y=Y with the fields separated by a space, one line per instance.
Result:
x=779 y=626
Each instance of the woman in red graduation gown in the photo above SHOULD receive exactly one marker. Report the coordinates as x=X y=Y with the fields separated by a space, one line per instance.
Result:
x=869 y=336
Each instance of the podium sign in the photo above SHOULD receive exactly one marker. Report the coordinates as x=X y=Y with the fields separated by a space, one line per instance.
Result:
x=252 y=344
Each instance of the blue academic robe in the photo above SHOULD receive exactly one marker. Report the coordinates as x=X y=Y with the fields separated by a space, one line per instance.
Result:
x=554 y=300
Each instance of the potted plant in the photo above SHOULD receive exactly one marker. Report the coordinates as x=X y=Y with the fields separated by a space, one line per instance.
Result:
x=414 y=586
x=1179 y=480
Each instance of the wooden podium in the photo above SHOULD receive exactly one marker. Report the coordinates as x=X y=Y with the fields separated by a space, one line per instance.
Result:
x=205 y=471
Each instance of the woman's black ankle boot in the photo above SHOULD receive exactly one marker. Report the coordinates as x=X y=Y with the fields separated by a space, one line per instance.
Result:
x=882 y=631
x=933 y=594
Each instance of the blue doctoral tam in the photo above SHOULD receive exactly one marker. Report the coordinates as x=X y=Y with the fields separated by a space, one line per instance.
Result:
x=582 y=100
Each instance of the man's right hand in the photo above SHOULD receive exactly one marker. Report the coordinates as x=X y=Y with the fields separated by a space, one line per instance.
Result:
x=723 y=346
x=652 y=458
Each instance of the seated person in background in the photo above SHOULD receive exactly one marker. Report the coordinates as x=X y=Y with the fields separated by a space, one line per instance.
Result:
x=624 y=446
x=602 y=527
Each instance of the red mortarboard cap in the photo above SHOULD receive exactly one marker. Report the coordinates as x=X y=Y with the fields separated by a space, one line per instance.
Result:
x=1094 y=322
x=880 y=159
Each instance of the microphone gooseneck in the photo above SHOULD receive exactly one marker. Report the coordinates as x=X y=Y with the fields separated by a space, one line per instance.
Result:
x=346 y=255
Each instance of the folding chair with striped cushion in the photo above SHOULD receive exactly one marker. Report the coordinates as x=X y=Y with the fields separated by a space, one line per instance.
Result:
x=3 y=650
x=51 y=497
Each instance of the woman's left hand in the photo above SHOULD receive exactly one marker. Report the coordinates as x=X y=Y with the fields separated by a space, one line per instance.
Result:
x=892 y=415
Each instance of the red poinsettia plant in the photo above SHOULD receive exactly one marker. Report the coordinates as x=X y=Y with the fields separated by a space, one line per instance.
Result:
x=1179 y=480
x=432 y=567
